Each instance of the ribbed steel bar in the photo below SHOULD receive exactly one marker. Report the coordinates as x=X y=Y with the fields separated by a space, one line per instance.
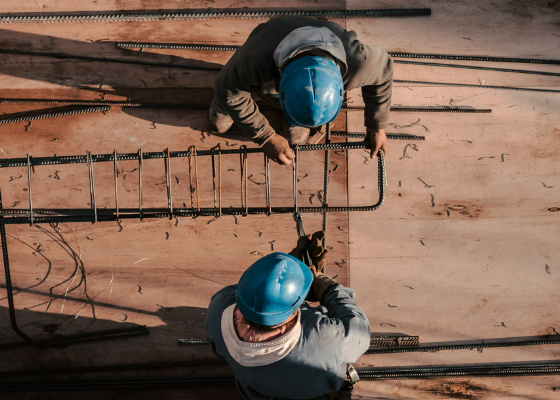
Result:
x=465 y=57
x=54 y=115
x=168 y=182
x=194 y=106
x=471 y=345
x=174 y=46
x=29 y=168
x=115 y=176
x=326 y=169
x=517 y=71
x=193 y=16
x=460 y=371
x=267 y=183
x=477 y=86
x=394 y=341
x=389 y=136
x=442 y=110
x=190 y=342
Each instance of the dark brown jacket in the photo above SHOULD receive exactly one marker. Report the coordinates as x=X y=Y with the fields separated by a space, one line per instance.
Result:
x=252 y=68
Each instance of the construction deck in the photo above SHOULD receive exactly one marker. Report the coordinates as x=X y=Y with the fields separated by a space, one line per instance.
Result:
x=464 y=248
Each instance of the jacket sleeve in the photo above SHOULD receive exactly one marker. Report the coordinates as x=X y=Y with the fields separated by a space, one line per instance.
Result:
x=377 y=89
x=233 y=88
x=353 y=323
x=370 y=68
x=219 y=302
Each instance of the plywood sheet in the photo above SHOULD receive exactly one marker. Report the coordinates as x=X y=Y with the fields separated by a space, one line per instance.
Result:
x=464 y=247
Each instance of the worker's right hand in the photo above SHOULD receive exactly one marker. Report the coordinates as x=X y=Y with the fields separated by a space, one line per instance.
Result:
x=278 y=149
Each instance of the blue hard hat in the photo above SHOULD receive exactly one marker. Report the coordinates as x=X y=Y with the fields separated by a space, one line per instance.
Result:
x=273 y=288
x=311 y=91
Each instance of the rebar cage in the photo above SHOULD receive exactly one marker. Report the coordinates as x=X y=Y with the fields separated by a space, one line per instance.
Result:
x=94 y=214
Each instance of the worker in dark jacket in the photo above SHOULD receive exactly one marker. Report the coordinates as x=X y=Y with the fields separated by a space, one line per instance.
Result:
x=303 y=66
x=279 y=346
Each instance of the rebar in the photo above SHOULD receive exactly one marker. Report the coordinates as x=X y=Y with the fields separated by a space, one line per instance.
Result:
x=168 y=183
x=465 y=57
x=460 y=371
x=325 y=199
x=29 y=189
x=54 y=115
x=389 y=136
x=478 y=345
x=116 y=174
x=244 y=173
x=194 y=16
x=477 y=86
x=511 y=70
x=91 y=186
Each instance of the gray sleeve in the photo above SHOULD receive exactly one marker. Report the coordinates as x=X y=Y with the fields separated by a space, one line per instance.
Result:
x=233 y=88
x=219 y=302
x=377 y=88
x=341 y=306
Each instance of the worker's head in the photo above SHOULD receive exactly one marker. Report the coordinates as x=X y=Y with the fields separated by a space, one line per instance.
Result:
x=272 y=289
x=311 y=91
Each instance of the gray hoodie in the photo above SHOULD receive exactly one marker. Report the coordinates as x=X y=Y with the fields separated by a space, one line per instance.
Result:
x=306 y=362
x=253 y=68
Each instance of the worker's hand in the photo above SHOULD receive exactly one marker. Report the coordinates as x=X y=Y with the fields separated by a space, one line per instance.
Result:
x=378 y=140
x=316 y=251
x=278 y=149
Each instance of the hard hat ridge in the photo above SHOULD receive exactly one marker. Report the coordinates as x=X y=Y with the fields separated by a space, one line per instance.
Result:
x=273 y=288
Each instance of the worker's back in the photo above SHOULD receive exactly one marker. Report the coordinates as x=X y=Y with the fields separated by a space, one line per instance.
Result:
x=315 y=365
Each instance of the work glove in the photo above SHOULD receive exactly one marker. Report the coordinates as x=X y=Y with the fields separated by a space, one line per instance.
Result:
x=318 y=255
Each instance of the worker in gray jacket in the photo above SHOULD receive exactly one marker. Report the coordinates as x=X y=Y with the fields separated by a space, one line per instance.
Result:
x=303 y=66
x=279 y=346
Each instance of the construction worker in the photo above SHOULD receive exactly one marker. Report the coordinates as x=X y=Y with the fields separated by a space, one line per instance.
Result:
x=303 y=66
x=278 y=345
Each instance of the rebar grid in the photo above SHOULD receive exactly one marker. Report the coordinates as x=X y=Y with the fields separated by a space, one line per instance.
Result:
x=94 y=214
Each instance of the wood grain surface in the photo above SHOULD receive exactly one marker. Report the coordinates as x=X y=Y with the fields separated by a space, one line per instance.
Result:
x=464 y=247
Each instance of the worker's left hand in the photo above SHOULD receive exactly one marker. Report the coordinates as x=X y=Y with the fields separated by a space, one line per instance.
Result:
x=316 y=251
x=378 y=140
